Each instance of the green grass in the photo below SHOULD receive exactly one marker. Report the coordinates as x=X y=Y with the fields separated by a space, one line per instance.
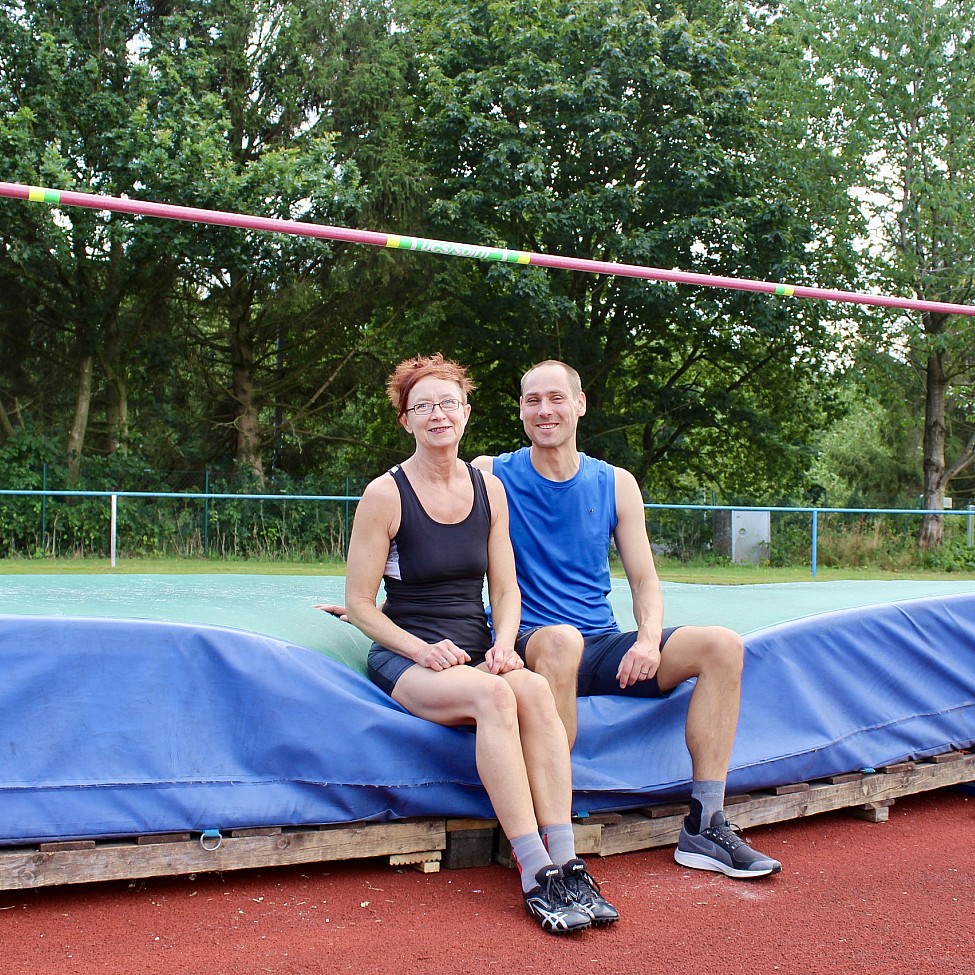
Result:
x=671 y=571
x=167 y=566
x=750 y=575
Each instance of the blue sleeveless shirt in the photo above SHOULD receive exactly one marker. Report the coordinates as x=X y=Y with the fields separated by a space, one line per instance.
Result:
x=560 y=532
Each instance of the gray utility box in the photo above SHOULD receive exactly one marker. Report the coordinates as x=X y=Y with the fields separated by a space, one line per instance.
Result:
x=742 y=536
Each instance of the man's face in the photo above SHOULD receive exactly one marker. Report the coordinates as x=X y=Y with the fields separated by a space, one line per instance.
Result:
x=549 y=409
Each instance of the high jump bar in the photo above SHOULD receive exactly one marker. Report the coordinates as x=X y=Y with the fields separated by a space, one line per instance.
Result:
x=166 y=211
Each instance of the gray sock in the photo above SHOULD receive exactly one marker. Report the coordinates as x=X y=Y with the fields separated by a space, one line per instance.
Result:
x=710 y=794
x=560 y=842
x=531 y=856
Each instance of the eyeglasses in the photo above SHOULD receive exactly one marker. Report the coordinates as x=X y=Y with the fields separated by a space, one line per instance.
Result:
x=447 y=405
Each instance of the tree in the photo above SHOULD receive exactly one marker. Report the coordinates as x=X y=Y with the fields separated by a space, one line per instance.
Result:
x=896 y=109
x=227 y=339
x=867 y=458
x=242 y=97
x=596 y=129
x=65 y=70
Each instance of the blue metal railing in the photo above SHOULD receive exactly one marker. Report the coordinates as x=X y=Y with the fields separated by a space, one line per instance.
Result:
x=813 y=513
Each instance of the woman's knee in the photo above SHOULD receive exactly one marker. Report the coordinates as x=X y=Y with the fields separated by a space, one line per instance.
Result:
x=532 y=692
x=496 y=697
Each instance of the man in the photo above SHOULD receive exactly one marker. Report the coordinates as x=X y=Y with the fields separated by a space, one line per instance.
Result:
x=565 y=507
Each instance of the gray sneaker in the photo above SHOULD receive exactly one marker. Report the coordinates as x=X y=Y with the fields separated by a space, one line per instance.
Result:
x=720 y=847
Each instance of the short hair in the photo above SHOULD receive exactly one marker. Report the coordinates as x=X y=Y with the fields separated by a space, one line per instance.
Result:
x=410 y=371
x=575 y=380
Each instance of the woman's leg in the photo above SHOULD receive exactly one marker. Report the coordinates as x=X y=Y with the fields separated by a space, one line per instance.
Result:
x=545 y=747
x=464 y=695
x=513 y=767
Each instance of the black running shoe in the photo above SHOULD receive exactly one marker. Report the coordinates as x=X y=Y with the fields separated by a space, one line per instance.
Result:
x=549 y=903
x=584 y=892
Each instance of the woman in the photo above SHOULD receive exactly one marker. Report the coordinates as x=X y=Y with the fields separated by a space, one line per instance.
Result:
x=430 y=529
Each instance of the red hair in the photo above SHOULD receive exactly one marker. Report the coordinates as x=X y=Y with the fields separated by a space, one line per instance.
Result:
x=410 y=371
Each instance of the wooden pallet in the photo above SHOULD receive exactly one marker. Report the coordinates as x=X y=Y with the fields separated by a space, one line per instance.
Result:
x=429 y=843
x=75 y=862
x=868 y=795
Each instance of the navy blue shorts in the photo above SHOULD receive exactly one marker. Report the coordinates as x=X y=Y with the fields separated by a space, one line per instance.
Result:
x=386 y=667
x=601 y=663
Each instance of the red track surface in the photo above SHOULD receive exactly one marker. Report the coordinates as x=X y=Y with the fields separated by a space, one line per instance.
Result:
x=853 y=898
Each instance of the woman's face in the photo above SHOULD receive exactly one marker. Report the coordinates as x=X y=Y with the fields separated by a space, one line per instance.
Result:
x=445 y=423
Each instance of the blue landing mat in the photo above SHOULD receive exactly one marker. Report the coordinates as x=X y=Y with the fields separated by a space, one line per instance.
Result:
x=116 y=727
x=283 y=606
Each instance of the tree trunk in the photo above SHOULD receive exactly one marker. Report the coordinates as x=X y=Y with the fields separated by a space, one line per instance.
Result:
x=112 y=357
x=6 y=427
x=247 y=426
x=931 y=534
x=117 y=391
x=79 y=426
x=116 y=415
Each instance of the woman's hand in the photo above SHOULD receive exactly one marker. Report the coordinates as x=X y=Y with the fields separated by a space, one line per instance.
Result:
x=502 y=659
x=333 y=610
x=442 y=656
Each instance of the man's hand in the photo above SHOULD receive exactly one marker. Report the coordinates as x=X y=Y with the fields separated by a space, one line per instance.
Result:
x=640 y=662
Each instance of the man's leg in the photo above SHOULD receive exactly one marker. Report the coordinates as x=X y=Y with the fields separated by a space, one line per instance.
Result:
x=713 y=655
x=555 y=652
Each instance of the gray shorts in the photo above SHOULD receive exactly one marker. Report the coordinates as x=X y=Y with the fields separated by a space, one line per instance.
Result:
x=386 y=667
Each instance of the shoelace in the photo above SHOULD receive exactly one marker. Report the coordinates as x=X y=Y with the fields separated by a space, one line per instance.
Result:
x=727 y=835
x=585 y=880
x=556 y=890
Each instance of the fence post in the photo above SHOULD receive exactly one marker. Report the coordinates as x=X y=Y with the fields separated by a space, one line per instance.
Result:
x=206 y=513
x=815 y=540
x=970 y=526
x=44 y=510
x=114 y=529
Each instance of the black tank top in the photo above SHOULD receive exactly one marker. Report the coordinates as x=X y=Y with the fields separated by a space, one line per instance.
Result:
x=434 y=577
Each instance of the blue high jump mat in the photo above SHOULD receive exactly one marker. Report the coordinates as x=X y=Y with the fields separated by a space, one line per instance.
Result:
x=147 y=704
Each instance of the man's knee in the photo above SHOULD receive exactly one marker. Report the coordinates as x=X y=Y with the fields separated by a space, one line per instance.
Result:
x=556 y=651
x=722 y=650
x=713 y=652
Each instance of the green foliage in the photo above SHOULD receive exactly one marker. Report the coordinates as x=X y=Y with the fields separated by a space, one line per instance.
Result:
x=865 y=458
x=790 y=539
x=717 y=138
x=886 y=88
x=208 y=343
x=597 y=129
x=955 y=555
x=682 y=535
x=229 y=528
x=22 y=460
